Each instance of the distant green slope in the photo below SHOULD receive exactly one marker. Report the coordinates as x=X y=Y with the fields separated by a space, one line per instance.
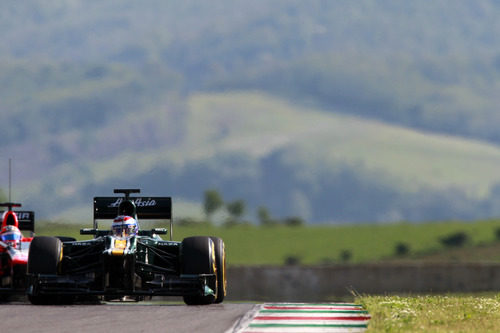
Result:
x=220 y=138
x=258 y=125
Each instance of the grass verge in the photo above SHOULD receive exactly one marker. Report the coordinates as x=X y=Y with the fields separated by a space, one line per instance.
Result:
x=433 y=313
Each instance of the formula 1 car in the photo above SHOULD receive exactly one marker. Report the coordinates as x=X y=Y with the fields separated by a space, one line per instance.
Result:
x=127 y=262
x=14 y=247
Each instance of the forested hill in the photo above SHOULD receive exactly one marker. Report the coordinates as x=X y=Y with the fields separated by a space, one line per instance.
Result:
x=404 y=97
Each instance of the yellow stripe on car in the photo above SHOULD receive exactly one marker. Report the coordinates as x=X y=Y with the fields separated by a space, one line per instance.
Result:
x=117 y=252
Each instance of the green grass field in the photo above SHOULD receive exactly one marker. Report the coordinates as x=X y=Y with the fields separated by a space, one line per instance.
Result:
x=433 y=313
x=312 y=245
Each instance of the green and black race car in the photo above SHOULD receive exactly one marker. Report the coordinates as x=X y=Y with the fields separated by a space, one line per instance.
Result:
x=125 y=261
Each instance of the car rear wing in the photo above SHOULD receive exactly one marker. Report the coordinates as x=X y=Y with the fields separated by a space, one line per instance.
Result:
x=148 y=208
x=26 y=220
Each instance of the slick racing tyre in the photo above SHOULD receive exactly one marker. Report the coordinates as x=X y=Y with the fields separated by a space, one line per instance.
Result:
x=44 y=257
x=220 y=264
x=198 y=257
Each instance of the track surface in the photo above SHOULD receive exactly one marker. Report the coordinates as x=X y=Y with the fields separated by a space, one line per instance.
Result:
x=121 y=317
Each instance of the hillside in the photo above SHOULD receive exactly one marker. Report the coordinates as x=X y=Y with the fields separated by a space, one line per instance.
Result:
x=431 y=66
x=334 y=111
x=316 y=164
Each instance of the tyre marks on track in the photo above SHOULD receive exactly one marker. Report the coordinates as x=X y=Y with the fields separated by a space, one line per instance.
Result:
x=303 y=317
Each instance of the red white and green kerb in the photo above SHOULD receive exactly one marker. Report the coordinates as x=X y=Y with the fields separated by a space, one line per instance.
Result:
x=303 y=317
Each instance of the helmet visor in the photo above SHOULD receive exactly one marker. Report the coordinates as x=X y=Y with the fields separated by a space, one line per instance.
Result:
x=124 y=229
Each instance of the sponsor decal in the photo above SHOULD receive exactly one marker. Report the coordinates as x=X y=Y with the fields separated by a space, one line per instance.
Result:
x=139 y=202
x=81 y=243
x=167 y=243
x=118 y=247
x=20 y=215
x=23 y=216
x=120 y=243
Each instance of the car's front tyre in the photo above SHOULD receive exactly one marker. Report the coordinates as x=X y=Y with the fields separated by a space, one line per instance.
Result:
x=44 y=257
x=220 y=260
x=198 y=257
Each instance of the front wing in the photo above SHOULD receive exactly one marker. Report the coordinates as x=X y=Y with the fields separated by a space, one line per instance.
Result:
x=183 y=285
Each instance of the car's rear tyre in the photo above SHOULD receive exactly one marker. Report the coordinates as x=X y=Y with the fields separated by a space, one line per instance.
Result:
x=198 y=257
x=220 y=264
x=44 y=257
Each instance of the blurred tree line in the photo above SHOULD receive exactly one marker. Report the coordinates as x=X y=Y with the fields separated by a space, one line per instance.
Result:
x=213 y=201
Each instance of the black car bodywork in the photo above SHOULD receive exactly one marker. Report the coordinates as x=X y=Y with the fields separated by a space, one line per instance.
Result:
x=61 y=269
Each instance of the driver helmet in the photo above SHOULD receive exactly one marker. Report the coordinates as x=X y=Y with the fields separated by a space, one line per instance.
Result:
x=124 y=226
x=11 y=235
x=10 y=218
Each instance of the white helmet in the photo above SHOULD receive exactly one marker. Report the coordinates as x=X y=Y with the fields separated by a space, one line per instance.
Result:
x=124 y=226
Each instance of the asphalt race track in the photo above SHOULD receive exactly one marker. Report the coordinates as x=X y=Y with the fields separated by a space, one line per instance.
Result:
x=121 y=317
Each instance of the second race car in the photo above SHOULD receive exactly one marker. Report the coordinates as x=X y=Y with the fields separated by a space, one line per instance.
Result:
x=14 y=247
